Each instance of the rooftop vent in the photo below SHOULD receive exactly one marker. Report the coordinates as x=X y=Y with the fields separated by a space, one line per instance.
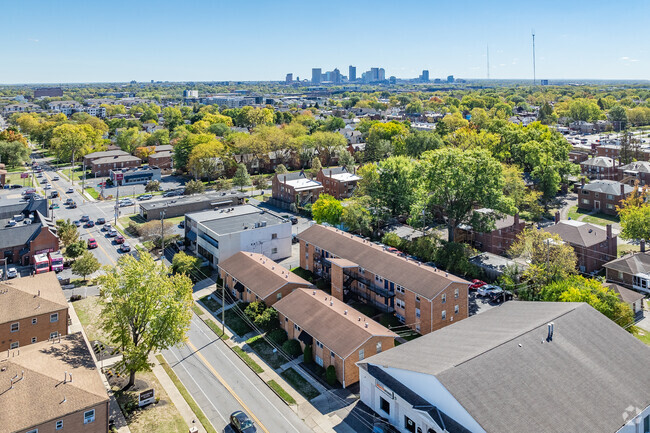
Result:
x=314 y=293
x=345 y=313
x=366 y=324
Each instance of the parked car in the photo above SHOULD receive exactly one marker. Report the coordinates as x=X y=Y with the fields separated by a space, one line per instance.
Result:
x=70 y=190
x=241 y=423
x=145 y=197
x=112 y=233
x=101 y=220
x=12 y=272
x=294 y=239
x=15 y=186
x=291 y=218
x=125 y=247
x=126 y=202
x=107 y=227
x=181 y=224
x=84 y=218
x=476 y=284
x=90 y=223
x=487 y=289
x=173 y=193
x=119 y=239
x=55 y=178
x=92 y=243
x=500 y=295
x=54 y=194
x=77 y=223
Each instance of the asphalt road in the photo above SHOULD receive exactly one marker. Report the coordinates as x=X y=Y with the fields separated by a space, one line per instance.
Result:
x=221 y=384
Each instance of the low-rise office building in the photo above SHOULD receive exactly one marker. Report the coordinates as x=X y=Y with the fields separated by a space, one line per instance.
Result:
x=52 y=386
x=423 y=298
x=252 y=277
x=338 y=334
x=338 y=182
x=32 y=309
x=525 y=366
x=218 y=234
x=178 y=206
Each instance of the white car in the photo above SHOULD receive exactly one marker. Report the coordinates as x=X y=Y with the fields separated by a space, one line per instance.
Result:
x=487 y=289
x=12 y=272
x=70 y=190
x=112 y=233
x=48 y=186
x=55 y=178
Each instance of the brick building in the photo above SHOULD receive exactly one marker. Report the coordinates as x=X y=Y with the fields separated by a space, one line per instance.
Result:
x=103 y=166
x=295 y=187
x=103 y=154
x=631 y=271
x=162 y=160
x=497 y=241
x=254 y=277
x=52 y=386
x=600 y=167
x=423 y=298
x=338 y=334
x=635 y=171
x=338 y=182
x=603 y=195
x=32 y=309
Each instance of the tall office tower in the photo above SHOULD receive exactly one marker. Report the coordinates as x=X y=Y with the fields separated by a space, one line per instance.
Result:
x=316 y=75
x=352 y=73
x=382 y=74
x=425 y=76
x=374 y=75
x=450 y=79
x=336 y=76
x=289 y=78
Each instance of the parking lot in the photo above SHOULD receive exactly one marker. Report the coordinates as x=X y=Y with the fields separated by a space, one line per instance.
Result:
x=166 y=183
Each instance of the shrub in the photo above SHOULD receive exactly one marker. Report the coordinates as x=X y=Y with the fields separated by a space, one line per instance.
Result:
x=268 y=320
x=292 y=347
x=254 y=309
x=74 y=298
x=330 y=375
x=308 y=355
x=278 y=336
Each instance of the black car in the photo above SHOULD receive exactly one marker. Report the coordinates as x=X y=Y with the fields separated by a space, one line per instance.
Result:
x=54 y=194
x=101 y=220
x=294 y=239
x=500 y=296
x=241 y=423
x=16 y=186
x=293 y=220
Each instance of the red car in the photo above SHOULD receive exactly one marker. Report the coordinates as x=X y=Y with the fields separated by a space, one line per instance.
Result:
x=92 y=243
x=119 y=239
x=476 y=284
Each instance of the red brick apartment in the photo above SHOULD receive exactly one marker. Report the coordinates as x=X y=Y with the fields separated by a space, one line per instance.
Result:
x=338 y=182
x=295 y=187
x=603 y=195
x=497 y=241
x=422 y=297
x=600 y=167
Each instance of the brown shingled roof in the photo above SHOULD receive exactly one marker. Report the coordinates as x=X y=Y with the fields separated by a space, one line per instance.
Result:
x=29 y=296
x=41 y=395
x=259 y=273
x=325 y=319
x=423 y=280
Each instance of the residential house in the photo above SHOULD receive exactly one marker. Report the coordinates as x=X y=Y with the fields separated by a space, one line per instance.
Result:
x=631 y=270
x=630 y=297
x=421 y=297
x=338 y=181
x=218 y=234
x=32 y=309
x=65 y=107
x=602 y=195
x=295 y=187
x=52 y=386
x=640 y=153
x=637 y=171
x=600 y=167
x=252 y=277
x=497 y=241
x=582 y=126
x=338 y=334
x=103 y=166
x=593 y=246
x=578 y=156
x=353 y=136
x=522 y=367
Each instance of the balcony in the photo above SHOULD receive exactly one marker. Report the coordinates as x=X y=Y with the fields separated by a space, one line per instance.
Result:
x=370 y=285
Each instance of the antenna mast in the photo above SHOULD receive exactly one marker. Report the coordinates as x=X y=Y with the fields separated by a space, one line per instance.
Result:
x=534 y=71
x=488 y=62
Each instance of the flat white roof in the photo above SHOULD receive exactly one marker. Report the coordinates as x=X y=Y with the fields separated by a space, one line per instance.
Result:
x=303 y=184
x=345 y=177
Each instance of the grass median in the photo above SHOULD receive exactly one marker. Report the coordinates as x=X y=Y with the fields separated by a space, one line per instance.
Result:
x=248 y=360
x=216 y=329
x=281 y=392
x=186 y=395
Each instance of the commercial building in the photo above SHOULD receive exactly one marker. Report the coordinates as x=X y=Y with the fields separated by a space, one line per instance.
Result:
x=316 y=75
x=296 y=188
x=32 y=309
x=26 y=230
x=288 y=79
x=338 y=181
x=352 y=73
x=190 y=93
x=603 y=195
x=424 y=77
x=52 y=386
x=135 y=176
x=103 y=166
x=216 y=235
x=252 y=277
x=48 y=92
x=423 y=298
x=178 y=206
x=522 y=367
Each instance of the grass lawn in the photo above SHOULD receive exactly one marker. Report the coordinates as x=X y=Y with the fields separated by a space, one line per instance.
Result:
x=176 y=220
x=299 y=383
x=599 y=218
x=643 y=335
x=197 y=310
x=92 y=192
x=303 y=273
x=236 y=323
x=186 y=395
x=210 y=303
x=88 y=311
x=77 y=173
x=248 y=360
x=265 y=351
x=160 y=418
x=15 y=179
x=365 y=309
x=216 y=328
x=626 y=248
x=281 y=392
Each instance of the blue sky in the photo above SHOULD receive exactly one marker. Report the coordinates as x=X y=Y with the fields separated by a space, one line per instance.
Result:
x=200 y=40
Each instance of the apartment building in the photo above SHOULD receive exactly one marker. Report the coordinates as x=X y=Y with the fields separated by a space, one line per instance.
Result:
x=103 y=166
x=338 y=334
x=603 y=195
x=338 y=181
x=497 y=241
x=295 y=187
x=102 y=154
x=422 y=297
x=52 y=386
x=252 y=277
x=32 y=309
x=631 y=270
x=600 y=167
x=637 y=171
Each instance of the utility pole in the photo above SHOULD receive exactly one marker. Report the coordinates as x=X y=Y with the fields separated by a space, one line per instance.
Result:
x=534 y=71
x=223 y=310
x=83 y=182
x=162 y=234
x=117 y=201
x=424 y=223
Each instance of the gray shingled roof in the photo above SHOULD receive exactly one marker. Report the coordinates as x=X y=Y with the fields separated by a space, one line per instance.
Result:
x=640 y=166
x=599 y=161
x=578 y=232
x=500 y=367
x=626 y=295
x=607 y=187
x=638 y=263
x=19 y=235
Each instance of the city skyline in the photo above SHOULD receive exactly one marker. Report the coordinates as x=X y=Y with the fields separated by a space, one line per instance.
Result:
x=151 y=41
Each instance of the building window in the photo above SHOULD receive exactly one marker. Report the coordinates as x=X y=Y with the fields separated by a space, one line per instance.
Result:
x=34 y=321
x=384 y=405
x=54 y=317
x=585 y=192
x=456 y=293
x=444 y=298
x=361 y=270
x=379 y=347
x=59 y=424
x=274 y=235
x=15 y=327
x=274 y=250
x=417 y=328
x=585 y=201
x=610 y=197
x=278 y=296
x=14 y=345
x=620 y=275
x=33 y=340
x=319 y=344
x=361 y=355
x=33 y=431
x=417 y=312
x=456 y=309
x=53 y=335
x=444 y=315
x=417 y=299
x=89 y=416
x=296 y=327
x=610 y=206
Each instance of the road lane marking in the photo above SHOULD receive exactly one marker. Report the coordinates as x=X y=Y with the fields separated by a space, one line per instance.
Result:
x=225 y=385
x=100 y=245
x=179 y=362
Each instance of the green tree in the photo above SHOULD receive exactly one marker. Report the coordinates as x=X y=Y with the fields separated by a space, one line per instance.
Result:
x=144 y=310
x=634 y=212
x=68 y=141
x=75 y=249
x=316 y=165
x=330 y=374
x=420 y=141
x=281 y=169
x=618 y=114
x=241 y=177
x=396 y=184
x=183 y=263
x=327 y=144
x=130 y=139
x=334 y=124
x=205 y=159
x=67 y=232
x=327 y=209
x=346 y=160
x=86 y=265
x=308 y=355
x=356 y=217
x=13 y=153
x=458 y=182
x=194 y=187
x=152 y=186
x=173 y=117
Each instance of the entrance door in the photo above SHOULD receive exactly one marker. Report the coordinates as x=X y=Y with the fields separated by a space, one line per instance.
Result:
x=596 y=205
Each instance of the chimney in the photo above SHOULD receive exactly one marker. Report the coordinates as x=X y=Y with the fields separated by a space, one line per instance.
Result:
x=642 y=245
x=516 y=219
x=582 y=181
x=623 y=189
x=345 y=313
x=557 y=217
x=609 y=231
